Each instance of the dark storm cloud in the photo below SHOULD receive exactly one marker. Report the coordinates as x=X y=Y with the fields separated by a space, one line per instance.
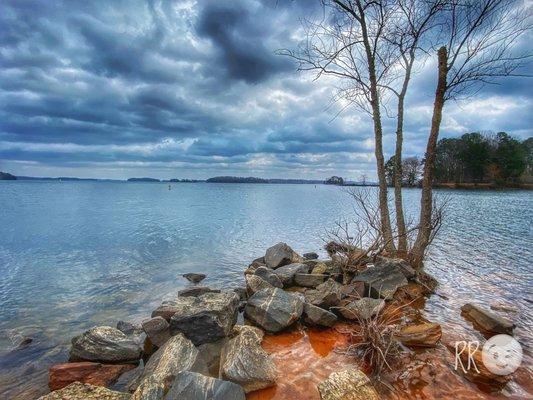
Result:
x=194 y=88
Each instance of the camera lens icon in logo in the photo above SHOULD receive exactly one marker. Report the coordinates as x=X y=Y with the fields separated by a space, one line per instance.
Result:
x=502 y=354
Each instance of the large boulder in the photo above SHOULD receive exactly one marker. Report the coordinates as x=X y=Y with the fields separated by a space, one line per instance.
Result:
x=274 y=309
x=104 y=344
x=420 y=335
x=364 y=308
x=268 y=275
x=382 y=281
x=157 y=329
x=255 y=283
x=287 y=272
x=310 y=280
x=84 y=391
x=244 y=361
x=194 y=386
x=314 y=315
x=281 y=254
x=176 y=355
x=97 y=374
x=396 y=263
x=350 y=384
x=488 y=320
x=326 y=295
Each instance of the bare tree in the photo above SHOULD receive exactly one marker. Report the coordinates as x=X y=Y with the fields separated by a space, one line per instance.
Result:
x=479 y=45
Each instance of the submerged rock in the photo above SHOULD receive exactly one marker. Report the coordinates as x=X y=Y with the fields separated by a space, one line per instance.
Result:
x=244 y=361
x=84 y=391
x=382 y=281
x=206 y=318
x=421 y=335
x=105 y=344
x=318 y=316
x=157 y=329
x=310 y=280
x=196 y=291
x=97 y=374
x=194 y=386
x=281 y=254
x=364 y=308
x=326 y=295
x=274 y=309
x=194 y=278
x=488 y=320
x=287 y=272
x=268 y=275
x=350 y=384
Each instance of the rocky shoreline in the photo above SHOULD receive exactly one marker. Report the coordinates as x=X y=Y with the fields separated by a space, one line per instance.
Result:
x=207 y=343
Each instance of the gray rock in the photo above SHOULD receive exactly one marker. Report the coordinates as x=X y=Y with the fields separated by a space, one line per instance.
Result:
x=355 y=290
x=268 y=275
x=194 y=278
x=194 y=386
x=324 y=267
x=326 y=295
x=287 y=272
x=211 y=353
x=350 y=384
x=255 y=283
x=488 y=320
x=176 y=355
x=84 y=391
x=206 y=318
x=157 y=329
x=309 y=280
x=274 y=309
x=408 y=271
x=105 y=344
x=314 y=315
x=364 y=308
x=310 y=256
x=246 y=363
x=279 y=255
x=196 y=291
x=128 y=328
x=241 y=292
x=382 y=281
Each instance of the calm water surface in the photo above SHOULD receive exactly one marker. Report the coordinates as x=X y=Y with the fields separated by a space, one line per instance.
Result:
x=77 y=254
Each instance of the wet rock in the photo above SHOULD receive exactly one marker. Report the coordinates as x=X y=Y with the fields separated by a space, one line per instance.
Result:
x=128 y=328
x=241 y=292
x=245 y=362
x=176 y=355
x=382 y=281
x=196 y=291
x=268 y=275
x=84 y=391
x=255 y=283
x=206 y=318
x=420 y=335
x=364 y=308
x=287 y=272
x=504 y=307
x=104 y=344
x=194 y=278
x=25 y=342
x=487 y=319
x=274 y=309
x=350 y=384
x=97 y=374
x=314 y=315
x=326 y=295
x=310 y=280
x=310 y=256
x=157 y=329
x=194 y=386
x=281 y=254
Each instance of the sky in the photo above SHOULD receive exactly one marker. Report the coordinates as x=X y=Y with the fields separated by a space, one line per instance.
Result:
x=195 y=89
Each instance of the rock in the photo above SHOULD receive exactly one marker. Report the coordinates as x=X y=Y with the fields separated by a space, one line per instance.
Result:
x=350 y=384
x=355 y=290
x=241 y=292
x=269 y=276
x=487 y=319
x=97 y=374
x=84 y=391
x=329 y=267
x=420 y=335
x=244 y=361
x=206 y=318
x=25 y=342
x=211 y=353
x=157 y=329
x=396 y=263
x=176 y=355
x=128 y=328
x=194 y=278
x=104 y=344
x=382 y=281
x=196 y=291
x=326 y=295
x=274 y=309
x=364 y=308
x=287 y=272
x=194 y=386
x=314 y=315
x=319 y=268
x=309 y=280
x=255 y=283
x=279 y=255
x=504 y=307
x=310 y=256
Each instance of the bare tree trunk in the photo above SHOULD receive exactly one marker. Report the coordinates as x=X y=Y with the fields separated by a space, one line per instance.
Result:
x=426 y=202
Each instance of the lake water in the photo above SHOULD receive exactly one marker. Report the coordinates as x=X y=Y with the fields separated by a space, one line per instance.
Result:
x=78 y=254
